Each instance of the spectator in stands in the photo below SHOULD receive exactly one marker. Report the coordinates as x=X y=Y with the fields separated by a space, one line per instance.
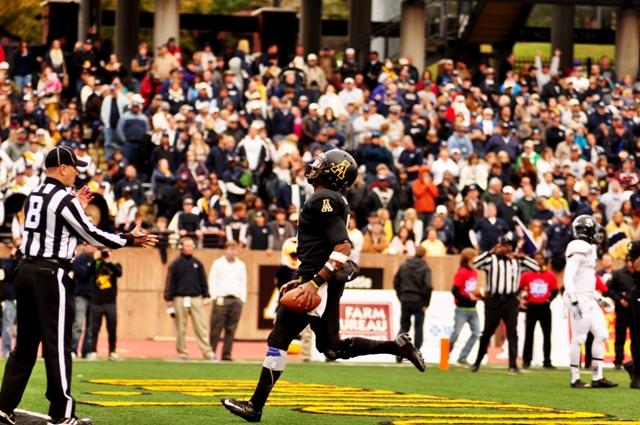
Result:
x=280 y=229
x=236 y=225
x=228 y=286
x=559 y=234
x=403 y=243
x=259 y=234
x=188 y=222
x=487 y=231
x=163 y=64
x=434 y=247
x=186 y=294
x=425 y=193
x=82 y=273
x=131 y=130
x=104 y=277
x=112 y=109
x=375 y=239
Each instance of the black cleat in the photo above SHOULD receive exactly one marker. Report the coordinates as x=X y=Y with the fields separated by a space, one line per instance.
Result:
x=407 y=350
x=617 y=366
x=549 y=366
x=526 y=366
x=603 y=383
x=514 y=371
x=244 y=409
x=474 y=368
x=580 y=385
x=6 y=419
x=635 y=382
x=628 y=366
x=71 y=421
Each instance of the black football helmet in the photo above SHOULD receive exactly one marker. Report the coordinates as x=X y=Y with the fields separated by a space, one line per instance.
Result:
x=586 y=228
x=334 y=169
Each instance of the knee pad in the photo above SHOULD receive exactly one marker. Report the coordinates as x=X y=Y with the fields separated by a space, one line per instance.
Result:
x=275 y=359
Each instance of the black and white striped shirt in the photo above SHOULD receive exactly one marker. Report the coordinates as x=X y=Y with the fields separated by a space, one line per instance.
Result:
x=55 y=220
x=503 y=273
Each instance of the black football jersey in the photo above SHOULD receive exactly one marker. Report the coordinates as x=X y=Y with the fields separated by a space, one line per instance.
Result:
x=322 y=224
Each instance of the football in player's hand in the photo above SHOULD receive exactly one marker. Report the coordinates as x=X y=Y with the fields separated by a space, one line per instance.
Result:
x=289 y=301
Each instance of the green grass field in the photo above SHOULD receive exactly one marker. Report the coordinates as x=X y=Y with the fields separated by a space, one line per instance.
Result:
x=536 y=388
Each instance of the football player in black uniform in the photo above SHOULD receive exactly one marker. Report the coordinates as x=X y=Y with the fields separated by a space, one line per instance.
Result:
x=323 y=249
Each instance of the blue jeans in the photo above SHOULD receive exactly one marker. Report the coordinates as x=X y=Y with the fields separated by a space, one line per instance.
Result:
x=462 y=317
x=22 y=80
x=107 y=136
x=8 y=319
x=80 y=322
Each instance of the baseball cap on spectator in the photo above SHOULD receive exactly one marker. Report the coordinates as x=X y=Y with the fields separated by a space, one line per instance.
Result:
x=187 y=201
x=441 y=210
x=455 y=151
x=260 y=214
x=349 y=80
x=574 y=102
x=62 y=155
x=312 y=57
x=350 y=51
x=202 y=86
x=403 y=61
x=365 y=108
x=233 y=118
x=529 y=144
x=575 y=148
x=137 y=99
x=164 y=106
x=253 y=104
x=313 y=107
x=180 y=117
x=303 y=97
x=508 y=190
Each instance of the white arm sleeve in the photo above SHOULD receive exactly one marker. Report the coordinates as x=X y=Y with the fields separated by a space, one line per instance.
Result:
x=570 y=272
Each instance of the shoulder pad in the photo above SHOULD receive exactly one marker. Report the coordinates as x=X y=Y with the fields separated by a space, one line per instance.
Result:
x=578 y=246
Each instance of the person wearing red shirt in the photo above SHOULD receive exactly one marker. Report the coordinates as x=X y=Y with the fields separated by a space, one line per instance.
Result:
x=465 y=293
x=538 y=289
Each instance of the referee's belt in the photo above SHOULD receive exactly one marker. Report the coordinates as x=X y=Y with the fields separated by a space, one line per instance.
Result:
x=51 y=262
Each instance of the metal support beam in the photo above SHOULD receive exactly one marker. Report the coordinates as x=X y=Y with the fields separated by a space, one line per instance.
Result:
x=562 y=32
x=127 y=30
x=412 y=32
x=627 y=43
x=360 y=28
x=310 y=31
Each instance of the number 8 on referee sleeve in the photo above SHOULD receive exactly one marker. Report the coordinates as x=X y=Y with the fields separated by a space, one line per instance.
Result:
x=32 y=219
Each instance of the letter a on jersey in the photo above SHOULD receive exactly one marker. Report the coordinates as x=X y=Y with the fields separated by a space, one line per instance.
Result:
x=326 y=206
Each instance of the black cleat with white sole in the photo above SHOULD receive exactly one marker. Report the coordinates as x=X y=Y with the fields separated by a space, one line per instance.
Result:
x=7 y=419
x=580 y=385
x=71 y=421
x=407 y=350
x=603 y=383
x=243 y=409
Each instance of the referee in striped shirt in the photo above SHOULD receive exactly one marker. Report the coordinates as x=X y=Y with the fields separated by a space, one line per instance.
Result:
x=503 y=268
x=55 y=222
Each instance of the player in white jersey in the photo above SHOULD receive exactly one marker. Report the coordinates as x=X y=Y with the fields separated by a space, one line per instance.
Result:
x=582 y=300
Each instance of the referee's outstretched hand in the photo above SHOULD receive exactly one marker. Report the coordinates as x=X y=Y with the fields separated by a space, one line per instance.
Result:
x=143 y=239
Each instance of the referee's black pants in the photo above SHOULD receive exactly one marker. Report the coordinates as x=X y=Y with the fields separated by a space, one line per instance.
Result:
x=497 y=308
x=634 y=304
x=537 y=312
x=623 y=322
x=45 y=314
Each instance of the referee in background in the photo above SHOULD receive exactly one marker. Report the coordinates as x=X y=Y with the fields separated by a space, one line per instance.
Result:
x=55 y=221
x=503 y=268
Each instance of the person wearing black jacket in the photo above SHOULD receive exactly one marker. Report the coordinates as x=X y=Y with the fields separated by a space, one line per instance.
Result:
x=413 y=287
x=620 y=291
x=8 y=297
x=82 y=299
x=104 y=290
x=187 y=294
